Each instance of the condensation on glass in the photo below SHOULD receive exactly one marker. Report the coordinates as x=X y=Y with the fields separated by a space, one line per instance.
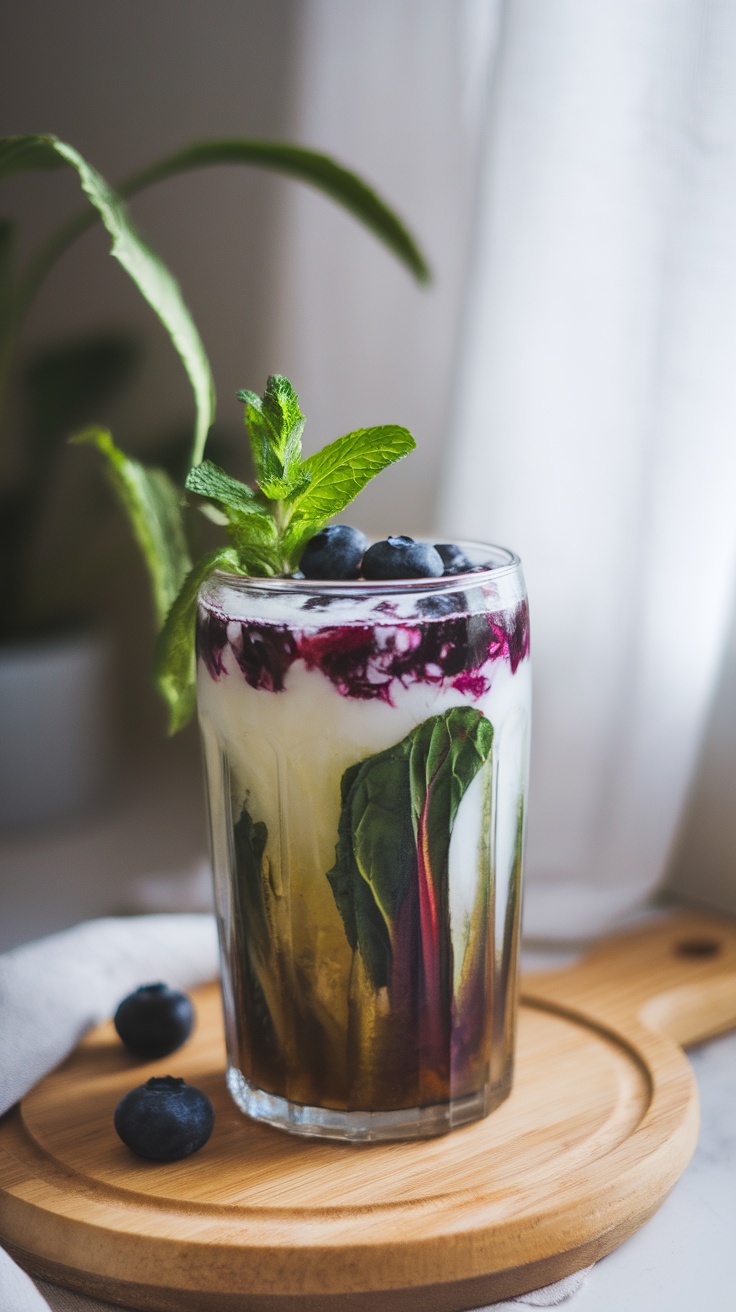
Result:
x=366 y=753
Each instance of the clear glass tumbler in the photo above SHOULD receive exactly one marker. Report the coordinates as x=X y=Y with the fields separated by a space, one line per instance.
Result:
x=366 y=750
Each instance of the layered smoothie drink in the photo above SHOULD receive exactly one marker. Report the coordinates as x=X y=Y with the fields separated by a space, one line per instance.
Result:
x=366 y=751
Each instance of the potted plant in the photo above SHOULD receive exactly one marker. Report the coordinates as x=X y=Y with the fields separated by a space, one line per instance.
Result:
x=52 y=686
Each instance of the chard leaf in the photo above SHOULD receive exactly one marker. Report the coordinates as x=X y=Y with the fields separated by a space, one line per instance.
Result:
x=375 y=856
x=398 y=809
x=338 y=473
x=275 y=426
x=260 y=983
x=446 y=754
x=175 y=665
x=153 y=505
x=149 y=274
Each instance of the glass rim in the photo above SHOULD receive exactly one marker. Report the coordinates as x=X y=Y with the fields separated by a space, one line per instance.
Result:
x=476 y=577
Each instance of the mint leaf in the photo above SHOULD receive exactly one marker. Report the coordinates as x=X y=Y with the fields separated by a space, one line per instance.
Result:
x=296 y=497
x=337 y=474
x=251 y=527
x=150 y=275
x=236 y=498
x=257 y=547
x=153 y=505
x=398 y=811
x=175 y=665
x=275 y=426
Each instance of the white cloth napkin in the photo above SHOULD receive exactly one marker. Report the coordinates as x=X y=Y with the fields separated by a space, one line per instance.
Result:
x=52 y=991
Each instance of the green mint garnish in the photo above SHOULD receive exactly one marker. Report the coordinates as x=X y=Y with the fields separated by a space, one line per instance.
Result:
x=268 y=525
x=275 y=425
x=294 y=498
x=336 y=474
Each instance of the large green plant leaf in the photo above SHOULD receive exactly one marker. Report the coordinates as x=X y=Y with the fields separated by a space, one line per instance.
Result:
x=176 y=662
x=310 y=166
x=149 y=274
x=24 y=153
x=153 y=505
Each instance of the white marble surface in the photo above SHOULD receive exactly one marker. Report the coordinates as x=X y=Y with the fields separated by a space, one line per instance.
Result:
x=684 y=1258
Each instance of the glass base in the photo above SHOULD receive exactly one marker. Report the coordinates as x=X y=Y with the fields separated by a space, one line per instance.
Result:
x=361 y=1126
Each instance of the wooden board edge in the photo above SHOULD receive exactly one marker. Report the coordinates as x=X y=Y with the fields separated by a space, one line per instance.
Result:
x=455 y=1296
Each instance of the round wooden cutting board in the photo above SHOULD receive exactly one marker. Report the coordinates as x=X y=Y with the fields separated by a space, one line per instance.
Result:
x=601 y=1123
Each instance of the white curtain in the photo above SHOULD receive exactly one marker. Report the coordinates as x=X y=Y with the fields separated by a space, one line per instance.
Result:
x=395 y=90
x=588 y=417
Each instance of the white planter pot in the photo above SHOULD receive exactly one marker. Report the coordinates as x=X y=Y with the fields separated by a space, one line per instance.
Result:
x=55 y=728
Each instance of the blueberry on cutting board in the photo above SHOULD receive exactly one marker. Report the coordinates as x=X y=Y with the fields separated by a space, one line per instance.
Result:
x=164 y=1119
x=334 y=553
x=154 y=1020
x=401 y=558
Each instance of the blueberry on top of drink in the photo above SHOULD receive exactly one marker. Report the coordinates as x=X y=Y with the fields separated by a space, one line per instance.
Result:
x=334 y=553
x=154 y=1020
x=340 y=552
x=164 y=1119
x=277 y=527
x=454 y=559
x=401 y=558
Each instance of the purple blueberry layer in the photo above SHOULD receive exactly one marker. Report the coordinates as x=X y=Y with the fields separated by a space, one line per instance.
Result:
x=366 y=661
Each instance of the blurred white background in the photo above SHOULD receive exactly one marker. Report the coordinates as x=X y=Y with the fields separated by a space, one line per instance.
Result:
x=569 y=171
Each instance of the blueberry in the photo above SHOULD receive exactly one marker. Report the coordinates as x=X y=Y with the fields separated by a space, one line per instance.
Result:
x=401 y=558
x=453 y=558
x=155 y=1020
x=444 y=603
x=334 y=553
x=164 y=1119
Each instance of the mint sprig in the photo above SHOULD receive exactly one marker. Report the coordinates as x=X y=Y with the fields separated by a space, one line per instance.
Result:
x=294 y=498
x=275 y=425
x=267 y=525
x=335 y=475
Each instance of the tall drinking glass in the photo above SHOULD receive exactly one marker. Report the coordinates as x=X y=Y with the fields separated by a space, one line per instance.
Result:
x=366 y=750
